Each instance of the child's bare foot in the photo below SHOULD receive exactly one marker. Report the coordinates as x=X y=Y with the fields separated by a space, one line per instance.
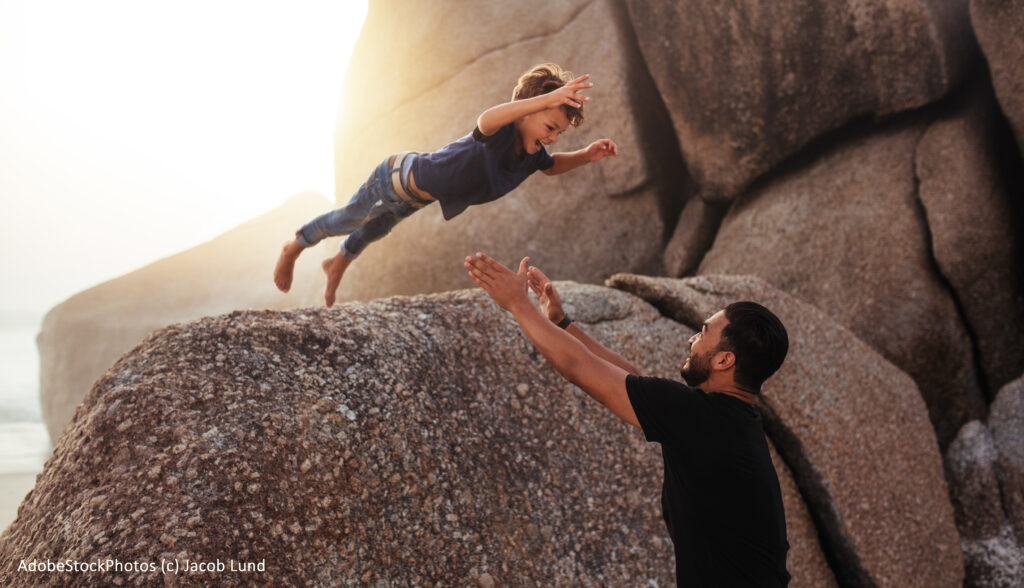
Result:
x=334 y=267
x=286 y=265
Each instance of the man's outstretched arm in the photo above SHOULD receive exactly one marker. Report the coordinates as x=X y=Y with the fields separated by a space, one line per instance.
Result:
x=601 y=379
x=551 y=304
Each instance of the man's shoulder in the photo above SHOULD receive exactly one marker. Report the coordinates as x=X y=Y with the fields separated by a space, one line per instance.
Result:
x=668 y=411
x=646 y=383
x=661 y=393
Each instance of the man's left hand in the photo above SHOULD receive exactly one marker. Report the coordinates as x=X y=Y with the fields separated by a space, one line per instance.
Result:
x=506 y=288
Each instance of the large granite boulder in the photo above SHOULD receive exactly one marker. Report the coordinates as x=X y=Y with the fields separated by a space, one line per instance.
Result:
x=854 y=431
x=1006 y=420
x=406 y=90
x=970 y=218
x=805 y=562
x=748 y=83
x=992 y=555
x=83 y=336
x=846 y=233
x=404 y=441
x=999 y=27
x=694 y=234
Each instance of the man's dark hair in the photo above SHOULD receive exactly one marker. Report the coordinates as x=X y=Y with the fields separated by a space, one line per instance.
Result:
x=758 y=340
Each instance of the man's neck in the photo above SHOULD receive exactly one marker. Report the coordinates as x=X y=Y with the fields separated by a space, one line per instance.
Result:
x=730 y=389
x=741 y=394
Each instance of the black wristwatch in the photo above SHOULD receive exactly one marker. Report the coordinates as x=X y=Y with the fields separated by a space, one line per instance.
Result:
x=565 y=322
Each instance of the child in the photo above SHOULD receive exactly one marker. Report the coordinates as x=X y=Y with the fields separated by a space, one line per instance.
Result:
x=504 y=149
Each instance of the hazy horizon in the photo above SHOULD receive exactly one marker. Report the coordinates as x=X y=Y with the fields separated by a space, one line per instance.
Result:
x=133 y=131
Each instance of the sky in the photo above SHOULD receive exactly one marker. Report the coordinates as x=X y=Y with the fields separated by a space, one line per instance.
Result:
x=132 y=130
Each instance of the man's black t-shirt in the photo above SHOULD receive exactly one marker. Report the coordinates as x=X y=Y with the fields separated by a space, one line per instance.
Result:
x=721 y=498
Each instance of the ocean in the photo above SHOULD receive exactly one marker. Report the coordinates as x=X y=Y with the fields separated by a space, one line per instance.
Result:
x=24 y=443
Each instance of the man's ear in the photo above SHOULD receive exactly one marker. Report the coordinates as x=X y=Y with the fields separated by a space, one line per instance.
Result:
x=723 y=360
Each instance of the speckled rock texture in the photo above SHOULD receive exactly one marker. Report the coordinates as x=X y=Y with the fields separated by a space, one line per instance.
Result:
x=846 y=233
x=1006 y=420
x=970 y=215
x=434 y=67
x=854 y=431
x=992 y=555
x=83 y=336
x=406 y=441
x=806 y=561
x=749 y=83
x=999 y=27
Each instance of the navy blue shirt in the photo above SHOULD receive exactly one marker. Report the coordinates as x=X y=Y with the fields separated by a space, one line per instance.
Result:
x=476 y=169
x=721 y=498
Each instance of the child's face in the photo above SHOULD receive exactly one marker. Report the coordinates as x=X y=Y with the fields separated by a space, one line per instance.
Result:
x=541 y=128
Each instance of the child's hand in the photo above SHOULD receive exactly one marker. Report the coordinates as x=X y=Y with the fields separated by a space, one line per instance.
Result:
x=600 y=149
x=569 y=93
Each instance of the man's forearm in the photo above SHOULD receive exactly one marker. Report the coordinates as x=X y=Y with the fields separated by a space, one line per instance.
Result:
x=601 y=351
x=564 y=351
x=603 y=380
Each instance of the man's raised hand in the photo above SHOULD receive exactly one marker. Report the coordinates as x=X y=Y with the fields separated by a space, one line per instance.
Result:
x=506 y=288
x=550 y=302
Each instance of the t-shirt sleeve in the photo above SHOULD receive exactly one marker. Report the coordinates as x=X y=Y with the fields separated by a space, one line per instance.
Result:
x=667 y=410
x=544 y=159
x=479 y=136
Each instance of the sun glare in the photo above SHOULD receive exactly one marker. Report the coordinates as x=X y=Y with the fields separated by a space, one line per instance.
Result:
x=138 y=129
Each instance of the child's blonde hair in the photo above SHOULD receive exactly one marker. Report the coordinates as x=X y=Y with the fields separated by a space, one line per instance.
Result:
x=545 y=78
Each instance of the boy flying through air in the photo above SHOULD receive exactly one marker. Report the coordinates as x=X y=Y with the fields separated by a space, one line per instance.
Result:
x=507 y=146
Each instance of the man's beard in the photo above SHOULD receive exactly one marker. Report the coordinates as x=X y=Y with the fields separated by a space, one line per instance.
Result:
x=698 y=370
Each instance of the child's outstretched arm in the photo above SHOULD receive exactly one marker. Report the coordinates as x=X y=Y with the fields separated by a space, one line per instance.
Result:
x=498 y=116
x=569 y=161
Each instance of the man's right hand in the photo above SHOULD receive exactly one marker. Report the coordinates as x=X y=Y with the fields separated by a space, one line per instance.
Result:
x=546 y=294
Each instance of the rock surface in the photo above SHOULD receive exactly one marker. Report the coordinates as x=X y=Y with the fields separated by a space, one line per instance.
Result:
x=970 y=219
x=805 y=562
x=992 y=555
x=999 y=27
x=854 y=431
x=845 y=232
x=83 y=336
x=1006 y=420
x=748 y=83
x=401 y=441
x=694 y=234
x=405 y=440
x=583 y=225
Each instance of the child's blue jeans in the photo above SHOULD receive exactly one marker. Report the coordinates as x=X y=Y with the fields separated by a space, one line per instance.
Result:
x=372 y=212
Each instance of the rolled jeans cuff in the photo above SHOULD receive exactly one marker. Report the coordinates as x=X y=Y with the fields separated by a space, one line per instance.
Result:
x=346 y=253
x=301 y=240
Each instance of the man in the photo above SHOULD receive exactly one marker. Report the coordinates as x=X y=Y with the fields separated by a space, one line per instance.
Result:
x=720 y=499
